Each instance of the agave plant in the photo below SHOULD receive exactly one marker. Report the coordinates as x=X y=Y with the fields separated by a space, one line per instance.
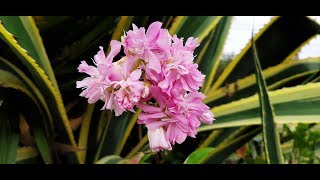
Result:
x=43 y=119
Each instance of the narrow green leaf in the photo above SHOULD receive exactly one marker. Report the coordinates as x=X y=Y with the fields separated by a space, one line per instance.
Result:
x=25 y=153
x=210 y=59
x=145 y=158
x=123 y=25
x=84 y=132
x=47 y=87
x=218 y=154
x=280 y=35
x=194 y=26
x=103 y=123
x=42 y=144
x=112 y=159
x=8 y=80
x=198 y=155
x=127 y=132
x=89 y=40
x=219 y=136
x=284 y=95
x=33 y=111
x=270 y=133
x=178 y=21
x=6 y=65
x=113 y=133
x=299 y=104
x=46 y=22
x=27 y=35
x=27 y=87
x=142 y=142
x=9 y=129
x=276 y=77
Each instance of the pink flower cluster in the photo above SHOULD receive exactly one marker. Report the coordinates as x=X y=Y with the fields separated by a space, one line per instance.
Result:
x=158 y=75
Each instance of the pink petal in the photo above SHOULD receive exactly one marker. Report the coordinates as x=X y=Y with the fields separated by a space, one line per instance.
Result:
x=148 y=108
x=192 y=43
x=163 y=99
x=207 y=117
x=155 y=125
x=135 y=75
x=100 y=56
x=134 y=27
x=164 y=40
x=85 y=68
x=158 y=141
x=153 y=30
x=157 y=115
x=115 y=49
x=153 y=62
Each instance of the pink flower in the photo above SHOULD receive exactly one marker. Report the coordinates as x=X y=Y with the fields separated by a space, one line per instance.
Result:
x=194 y=113
x=175 y=124
x=100 y=76
x=180 y=70
x=158 y=75
x=152 y=116
x=158 y=141
x=139 y=44
x=191 y=104
x=130 y=91
x=179 y=117
x=121 y=90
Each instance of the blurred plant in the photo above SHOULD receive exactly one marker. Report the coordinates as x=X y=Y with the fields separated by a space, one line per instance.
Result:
x=306 y=143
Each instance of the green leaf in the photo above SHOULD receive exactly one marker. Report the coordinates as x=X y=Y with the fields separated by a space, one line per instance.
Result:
x=123 y=25
x=8 y=80
x=271 y=137
x=27 y=35
x=47 y=87
x=140 y=145
x=84 y=132
x=221 y=152
x=24 y=153
x=98 y=123
x=6 y=65
x=89 y=39
x=32 y=110
x=33 y=93
x=210 y=55
x=9 y=129
x=112 y=159
x=276 y=77
x=219 y=136
x=177 y=24
x=112 y=135
x=297 y=104
x=194 y=26
x=278 y=41
x=127 y=131
x=46 y=22
x=145 y=158
x=197 y=156
x=222 y=136
x=42 y=143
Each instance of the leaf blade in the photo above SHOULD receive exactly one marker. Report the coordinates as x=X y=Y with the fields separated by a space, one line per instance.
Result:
x=194 y=26
x=44 y=83
x=270 y=133
x=210 y=60
x=279 y=28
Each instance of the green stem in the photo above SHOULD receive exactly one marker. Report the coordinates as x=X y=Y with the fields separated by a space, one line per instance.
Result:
x=137 y=147
x=97 y=156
